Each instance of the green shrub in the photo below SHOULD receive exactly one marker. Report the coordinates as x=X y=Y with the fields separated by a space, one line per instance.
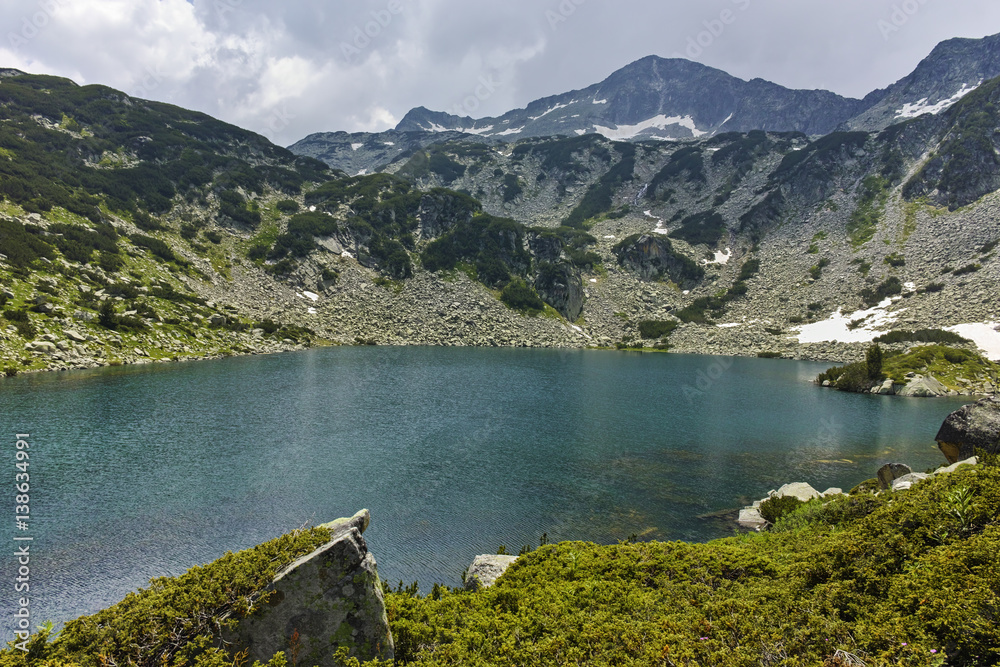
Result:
x=922 y=336
x=287 y=206
x=895 y=260
x=519 y=295
x=969 y=268
x=776 y=507
x=891 y=286
x=652 y=329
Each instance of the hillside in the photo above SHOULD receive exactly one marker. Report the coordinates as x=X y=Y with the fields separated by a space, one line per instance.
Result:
x=136 y=231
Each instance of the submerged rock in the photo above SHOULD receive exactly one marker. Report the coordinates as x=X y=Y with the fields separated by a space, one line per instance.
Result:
x=972 y=427
x=321 y=602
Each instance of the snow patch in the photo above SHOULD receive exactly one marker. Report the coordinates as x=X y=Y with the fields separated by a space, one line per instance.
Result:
x=984 y=334
x=728 y=118
x=836 y=329
x=546 y=113
x=363 y=172
x=731 y=325
x=312 y=296
x=436 y=128
x=596 y=101
x=721 y=258
x=477 y=130
x=346 y=255
x=922 y=107
x=509 y=131
x=593 y=280
x=313 y=311
x=389 y=143
x=312 y=209
x=660 y=122
x=580 y=132
x=355 y=147
x=660 y=229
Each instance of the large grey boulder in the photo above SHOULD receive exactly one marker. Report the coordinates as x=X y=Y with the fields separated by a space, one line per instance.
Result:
x=891 y=471
x=973 y=427
x=485 y=570
x=327 y=599
x=924 y=387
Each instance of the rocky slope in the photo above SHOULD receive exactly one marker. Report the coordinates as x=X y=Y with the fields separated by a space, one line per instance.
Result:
x=658 y=98
x=736 y=244
x=952 y=70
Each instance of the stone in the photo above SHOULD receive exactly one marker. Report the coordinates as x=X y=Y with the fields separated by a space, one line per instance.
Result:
x=891 y=471
x=834 y=491
x=887 y=388
x=43 y=346
x=924 y=387
x=975 y=426
x=217 y=320
x=750 y=518
x=800 y=490
x=907 y=481
x=75 y=336
x=974 y=461
x=331 y=597
x=485 y=570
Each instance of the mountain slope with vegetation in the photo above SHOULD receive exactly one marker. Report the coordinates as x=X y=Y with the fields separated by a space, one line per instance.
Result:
x=135 y=231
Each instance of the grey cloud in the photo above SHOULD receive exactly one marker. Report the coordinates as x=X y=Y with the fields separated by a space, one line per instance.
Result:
x=289 y=69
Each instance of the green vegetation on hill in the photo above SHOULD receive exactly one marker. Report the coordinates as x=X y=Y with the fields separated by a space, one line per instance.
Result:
x=910 y=578
x=78 y=147
x=175 y=620
x=703 y=309
x=687 y=162
x=599 y=197
x=946 y=364
x=708 y=228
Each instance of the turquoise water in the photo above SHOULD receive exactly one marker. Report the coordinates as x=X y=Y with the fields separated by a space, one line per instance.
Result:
x=140 y=472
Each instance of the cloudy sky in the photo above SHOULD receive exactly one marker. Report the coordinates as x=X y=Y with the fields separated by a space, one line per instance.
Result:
x=287 y=69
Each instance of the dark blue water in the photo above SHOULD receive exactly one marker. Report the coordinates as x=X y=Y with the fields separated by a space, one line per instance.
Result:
x=140 y=472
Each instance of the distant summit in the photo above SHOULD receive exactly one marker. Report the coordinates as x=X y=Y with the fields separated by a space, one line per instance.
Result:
x=656 y=98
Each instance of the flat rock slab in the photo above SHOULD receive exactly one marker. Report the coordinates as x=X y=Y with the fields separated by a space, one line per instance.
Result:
x=327 y=599
x=924 y=387
x=750 y=518
x=801 y=490
x=485 y=570
x=907 y=481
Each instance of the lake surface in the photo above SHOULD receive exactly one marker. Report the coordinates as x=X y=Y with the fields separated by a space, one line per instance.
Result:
x=139 y=472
